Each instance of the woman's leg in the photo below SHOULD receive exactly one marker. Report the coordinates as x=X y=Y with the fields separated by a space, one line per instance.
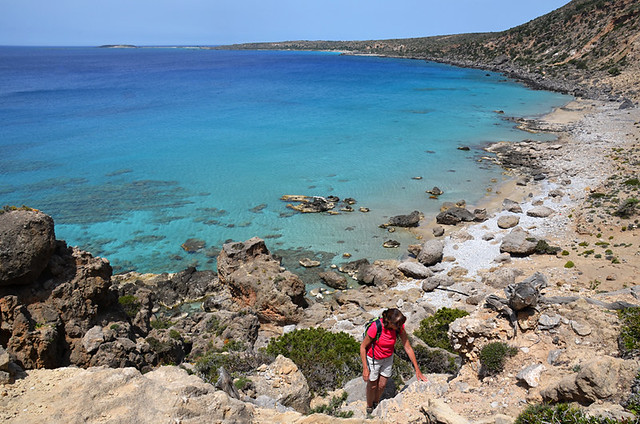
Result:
x=382 y=383
x=372 y=390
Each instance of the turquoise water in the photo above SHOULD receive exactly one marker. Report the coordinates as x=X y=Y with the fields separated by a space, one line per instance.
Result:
x=134 y=151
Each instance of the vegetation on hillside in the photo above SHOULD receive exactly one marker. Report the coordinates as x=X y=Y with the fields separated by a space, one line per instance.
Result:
x=588 y=40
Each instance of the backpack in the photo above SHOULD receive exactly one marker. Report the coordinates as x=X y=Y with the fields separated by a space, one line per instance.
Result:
x=378 y=323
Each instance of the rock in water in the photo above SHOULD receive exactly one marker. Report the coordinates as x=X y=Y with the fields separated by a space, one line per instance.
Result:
x=27 y=241
x=410 y=220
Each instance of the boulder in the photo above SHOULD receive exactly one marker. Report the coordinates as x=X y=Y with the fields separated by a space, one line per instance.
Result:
x=374 y=275
x=334 y=280
x=455 y=215
x=508 y=221
x=540 y=212
x=283 y=381
x=438 y=280
x=511 y=206
x=437 y=411
x=411 y=220
x=435 y=191
x=256 y=280
x=438 y=231
x=27 y=241
x=518 y=243
x=530 y=374
x=500 y=278
x=415 y=270
x=431 y=252
x=526 y=293
x=480 y=214
x=599 y=378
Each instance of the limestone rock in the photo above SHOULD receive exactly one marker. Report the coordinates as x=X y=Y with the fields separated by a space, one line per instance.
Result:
x=27 y=241
x=375 y=275
x=334 y=280
x=540 y=212
x=500 y=278
x=511 y=206
x=431 y=253
x=283 y=381
x=167 y=394
x=256 y=280
x=508 y=221
x=518 y=243
x=580 y=328
x=439 y=412
x=415 y=270
x=531 y=374
x=438 y=231
x=599 y=378
x=454 y=215
x=410 y=220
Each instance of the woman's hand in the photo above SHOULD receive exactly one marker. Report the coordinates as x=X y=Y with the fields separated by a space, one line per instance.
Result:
x=365 y=374
x=420 y=376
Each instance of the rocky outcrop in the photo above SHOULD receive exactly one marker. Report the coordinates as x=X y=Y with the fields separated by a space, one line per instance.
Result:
x=43 y=325
x=334 y=280
x=410 y=220
x=256 y=280
x=455 y=215
x=27 y=241
x=599 y=378
x=167 y=394
x=283 y=382
x=518 y=243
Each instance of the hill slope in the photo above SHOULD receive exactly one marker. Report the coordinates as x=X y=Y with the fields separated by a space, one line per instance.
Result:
x=590 y=48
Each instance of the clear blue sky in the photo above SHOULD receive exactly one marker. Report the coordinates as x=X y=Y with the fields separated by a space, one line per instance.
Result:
x=206 y=22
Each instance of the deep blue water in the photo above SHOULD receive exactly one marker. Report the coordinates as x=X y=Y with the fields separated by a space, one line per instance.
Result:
x=134 y=151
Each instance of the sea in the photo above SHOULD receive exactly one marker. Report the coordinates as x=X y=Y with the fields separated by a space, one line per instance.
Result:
x=134 y=152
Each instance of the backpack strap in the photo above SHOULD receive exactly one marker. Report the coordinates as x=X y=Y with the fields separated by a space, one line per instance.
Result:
x=378 y=324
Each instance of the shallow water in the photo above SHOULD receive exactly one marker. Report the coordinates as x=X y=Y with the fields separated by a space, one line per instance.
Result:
x=135 y=151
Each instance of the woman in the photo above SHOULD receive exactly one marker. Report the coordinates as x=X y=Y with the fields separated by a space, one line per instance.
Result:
x=377 y=363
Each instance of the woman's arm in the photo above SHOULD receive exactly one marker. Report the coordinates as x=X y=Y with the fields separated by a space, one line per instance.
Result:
x=363 y=356
x=411 y=354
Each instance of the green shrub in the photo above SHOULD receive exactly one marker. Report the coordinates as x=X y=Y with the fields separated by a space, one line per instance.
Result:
x=543 y=248
x=327 y=360
x=161 y=323
x=130 y=305
x=433 y=330
x=632 y=182
x=333 y=407
x=569 y=264
x=237 y=364
x=627 y=209
x=493 y=357
x=565 y=253
x=175 y=334
x=558 y=414
x=629 y=339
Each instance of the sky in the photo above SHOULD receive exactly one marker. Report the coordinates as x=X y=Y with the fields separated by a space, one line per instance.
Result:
x=212 y=22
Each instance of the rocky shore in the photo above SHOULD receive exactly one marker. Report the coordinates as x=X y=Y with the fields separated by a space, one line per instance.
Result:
x=82 y=345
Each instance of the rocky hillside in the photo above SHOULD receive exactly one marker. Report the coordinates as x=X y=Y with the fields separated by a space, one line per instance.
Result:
x=590 y=48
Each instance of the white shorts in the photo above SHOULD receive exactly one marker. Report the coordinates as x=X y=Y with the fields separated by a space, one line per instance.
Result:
x=379 y=367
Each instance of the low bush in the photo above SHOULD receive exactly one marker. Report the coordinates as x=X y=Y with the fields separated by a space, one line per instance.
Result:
x=627 y=209
x=130 y=305
x=569 y=264
x=433 y=330
x=326 y=359
x=629 y=339
x=493 y=357
x=558 y=414
x=161 y=323
x=237 y=364
x=333 y=407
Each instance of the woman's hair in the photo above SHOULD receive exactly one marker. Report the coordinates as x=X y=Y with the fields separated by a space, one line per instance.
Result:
x=394 y=317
